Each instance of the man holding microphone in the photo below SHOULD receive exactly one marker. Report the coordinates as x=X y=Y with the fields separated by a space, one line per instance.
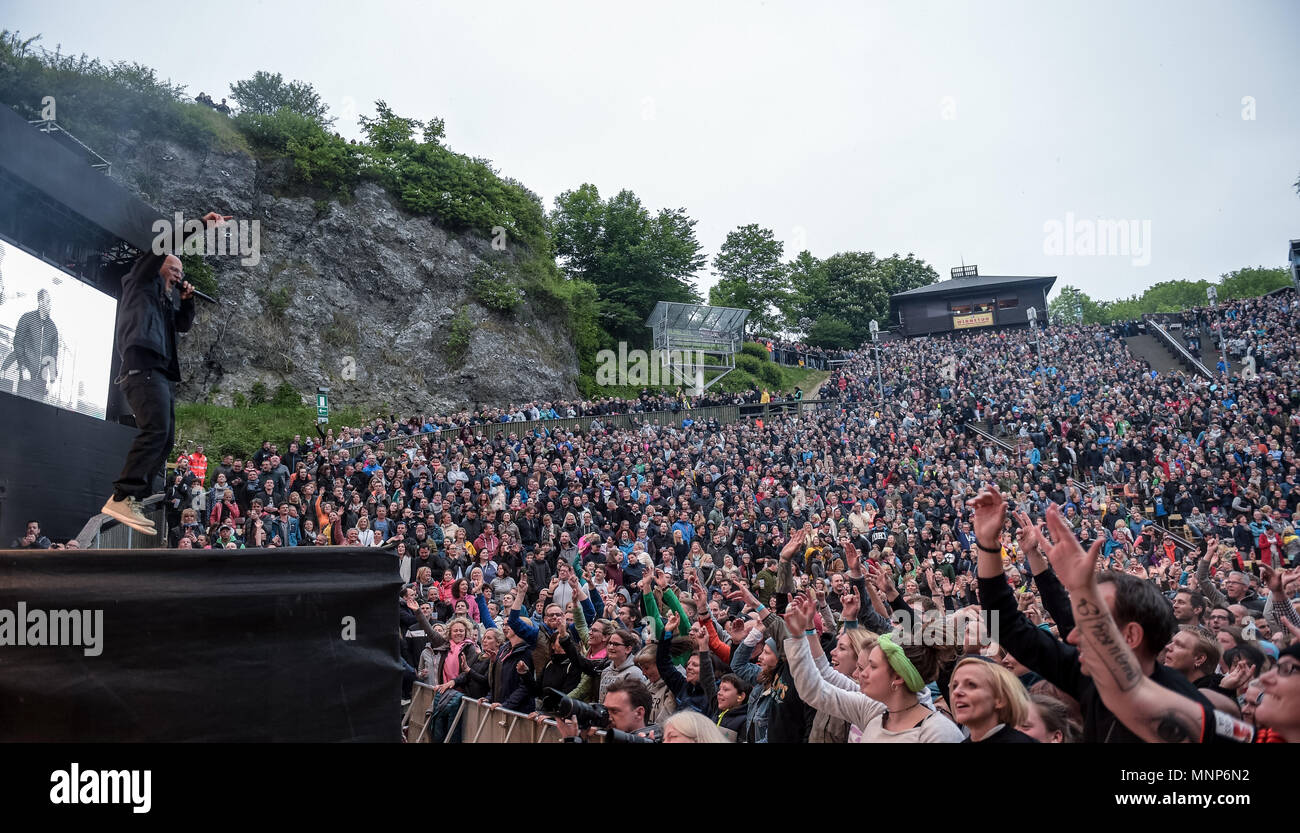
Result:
x=148 y=319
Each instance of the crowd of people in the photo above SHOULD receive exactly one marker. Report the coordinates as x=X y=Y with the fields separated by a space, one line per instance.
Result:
x=668 y=575
x=798 y=354
x=767 y=580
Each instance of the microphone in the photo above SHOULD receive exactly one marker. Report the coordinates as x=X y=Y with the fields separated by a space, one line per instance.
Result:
x=205 y=296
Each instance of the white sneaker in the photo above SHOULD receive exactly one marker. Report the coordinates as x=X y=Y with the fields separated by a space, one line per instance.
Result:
x=127 y=510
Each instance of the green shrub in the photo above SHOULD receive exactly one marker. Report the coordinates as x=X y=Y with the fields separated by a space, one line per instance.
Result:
x=492 y=289
x=257 y=394
x=749 y=364
x=773 y=375
x=758 y=351
x=200 y=273
x=458 y=334
x=277 y=302
x=286 y=396
x=320 y=158
x=99 y=102
x=738 y=381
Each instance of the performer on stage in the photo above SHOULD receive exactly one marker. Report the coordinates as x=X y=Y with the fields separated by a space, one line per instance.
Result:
x=148 y=320
x=36 y=349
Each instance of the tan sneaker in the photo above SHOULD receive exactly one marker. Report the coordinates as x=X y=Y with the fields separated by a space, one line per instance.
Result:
x=127 y=510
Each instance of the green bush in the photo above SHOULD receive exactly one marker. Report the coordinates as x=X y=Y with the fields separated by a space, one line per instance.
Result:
x=286 y=396
x=200 y=273
x=320 y=158
x=277 y=302
x=758 y=351
x=773 y=375
x=241 y=430
x=750 y=365
x=100 y=102
x=458 y=334
x=739 y=381
x=257 y=394
x=492 y=289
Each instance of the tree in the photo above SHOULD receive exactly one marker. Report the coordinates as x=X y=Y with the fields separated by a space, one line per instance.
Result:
x=633 y=258
x=852 y=287
x=267 y=92
x=831 y=333
x=1252 y=282
x=387 y=131
x=1065 y=307
x=751 y=276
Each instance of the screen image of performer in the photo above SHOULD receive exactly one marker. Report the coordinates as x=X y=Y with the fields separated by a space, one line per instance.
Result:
x=36 y=349
x=157 y=303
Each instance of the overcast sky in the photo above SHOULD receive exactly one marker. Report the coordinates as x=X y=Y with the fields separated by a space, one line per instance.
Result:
x=950 y=130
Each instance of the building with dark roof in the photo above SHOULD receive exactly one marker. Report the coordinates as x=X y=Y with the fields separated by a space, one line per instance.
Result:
x=969 y=301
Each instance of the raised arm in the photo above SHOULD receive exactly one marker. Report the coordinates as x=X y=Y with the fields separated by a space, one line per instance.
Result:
x=1034 y=648
x=857 y=708
x=1213 y=597
x=1154 y=713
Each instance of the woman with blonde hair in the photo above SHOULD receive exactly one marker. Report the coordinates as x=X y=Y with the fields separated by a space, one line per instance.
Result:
x=840 y=671
x=989 y=701
x=692 y=727
x=890 y=704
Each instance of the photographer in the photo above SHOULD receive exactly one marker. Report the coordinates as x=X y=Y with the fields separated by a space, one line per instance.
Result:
x=627 y=702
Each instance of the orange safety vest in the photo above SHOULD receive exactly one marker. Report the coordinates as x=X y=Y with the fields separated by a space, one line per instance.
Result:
x=199 y=466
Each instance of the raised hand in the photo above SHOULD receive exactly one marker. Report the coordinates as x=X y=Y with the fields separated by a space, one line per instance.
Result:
x=1242 y=672
x=852 y=559
x=797 y=616
x=1073 y=564
x=792 y=546
x=1028 y=536
x=701 y=636
x=852 y=603
x=990 y=515
x=1270 y=577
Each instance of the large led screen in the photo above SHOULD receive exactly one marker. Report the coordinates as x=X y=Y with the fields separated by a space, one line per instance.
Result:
x=56 y=334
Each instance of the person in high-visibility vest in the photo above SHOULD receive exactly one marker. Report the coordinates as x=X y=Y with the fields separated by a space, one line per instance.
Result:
x=199 y=464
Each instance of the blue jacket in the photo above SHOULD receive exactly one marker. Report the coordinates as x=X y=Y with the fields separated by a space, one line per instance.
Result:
x=288 y=538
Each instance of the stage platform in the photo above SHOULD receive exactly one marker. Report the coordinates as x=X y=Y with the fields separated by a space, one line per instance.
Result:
x=294 y=644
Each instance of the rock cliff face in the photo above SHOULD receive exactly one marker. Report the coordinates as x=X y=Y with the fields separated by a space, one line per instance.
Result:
x=358 y=297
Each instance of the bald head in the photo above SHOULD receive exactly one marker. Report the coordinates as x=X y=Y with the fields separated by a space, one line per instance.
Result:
x=172 y=271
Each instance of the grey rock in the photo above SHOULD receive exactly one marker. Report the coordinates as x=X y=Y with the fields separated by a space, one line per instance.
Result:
x=384 y=286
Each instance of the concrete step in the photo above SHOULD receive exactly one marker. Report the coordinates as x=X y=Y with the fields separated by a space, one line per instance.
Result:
x=1154 y=350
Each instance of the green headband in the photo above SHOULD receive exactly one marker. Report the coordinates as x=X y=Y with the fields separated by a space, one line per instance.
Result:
x=900 y=663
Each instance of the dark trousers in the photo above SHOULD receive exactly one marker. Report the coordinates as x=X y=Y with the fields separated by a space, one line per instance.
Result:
x=151 y=397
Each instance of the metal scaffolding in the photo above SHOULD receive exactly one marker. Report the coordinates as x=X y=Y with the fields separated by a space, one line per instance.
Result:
x=711 y=335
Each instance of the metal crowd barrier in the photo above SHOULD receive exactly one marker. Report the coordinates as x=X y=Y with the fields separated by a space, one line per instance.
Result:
x=104 y=532
x=479 y=722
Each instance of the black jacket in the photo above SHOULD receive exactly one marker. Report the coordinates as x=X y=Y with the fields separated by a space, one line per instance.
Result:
x=1058 y=663
x=148 y=319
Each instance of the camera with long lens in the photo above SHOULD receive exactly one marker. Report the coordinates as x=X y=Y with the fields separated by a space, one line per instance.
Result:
x=562 y=706
x=589 y=715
